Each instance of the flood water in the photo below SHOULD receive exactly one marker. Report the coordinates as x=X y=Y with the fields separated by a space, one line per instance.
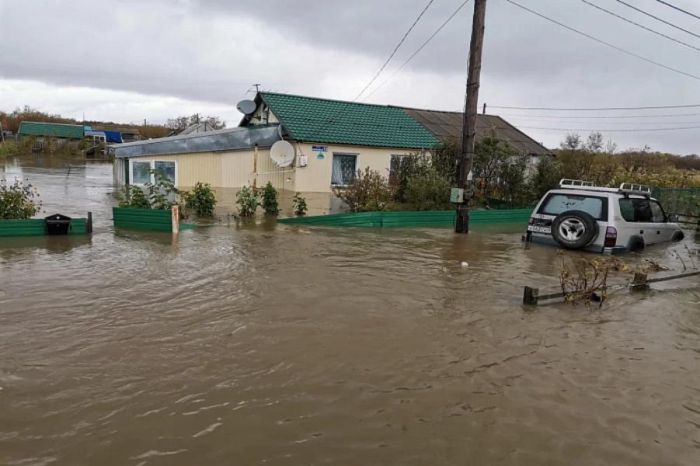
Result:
x=276 y=345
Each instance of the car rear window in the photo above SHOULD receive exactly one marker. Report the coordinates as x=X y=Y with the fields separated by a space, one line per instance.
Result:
x=555 y=204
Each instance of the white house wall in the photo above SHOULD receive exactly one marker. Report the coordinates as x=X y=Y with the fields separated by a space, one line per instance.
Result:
x=316 y=176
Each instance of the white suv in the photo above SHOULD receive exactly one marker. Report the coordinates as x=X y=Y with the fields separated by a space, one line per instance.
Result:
x=580 y=215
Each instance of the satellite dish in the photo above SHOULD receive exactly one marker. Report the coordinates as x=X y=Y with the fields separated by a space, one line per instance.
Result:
x=246 y=107
x=282 y=153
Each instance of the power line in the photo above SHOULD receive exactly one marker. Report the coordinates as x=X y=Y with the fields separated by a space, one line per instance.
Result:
x=596 y=117
x=609 y=130
x=668 y=23
x=679 y=9
x=600 y=41
x=333 y=118
x=403 y=39
x=641 y=25
x=591 y=109
x=422 y=46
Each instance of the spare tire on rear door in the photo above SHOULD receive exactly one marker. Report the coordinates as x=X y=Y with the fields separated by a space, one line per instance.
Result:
x=574 y=229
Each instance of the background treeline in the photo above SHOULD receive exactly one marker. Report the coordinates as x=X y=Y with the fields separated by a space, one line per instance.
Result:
x=10 y=121
x=503 y=178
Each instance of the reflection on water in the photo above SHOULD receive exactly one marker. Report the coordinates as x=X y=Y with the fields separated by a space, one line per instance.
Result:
x=262 y=344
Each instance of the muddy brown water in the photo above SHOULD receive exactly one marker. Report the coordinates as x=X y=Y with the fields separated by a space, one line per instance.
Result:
x=292 y=346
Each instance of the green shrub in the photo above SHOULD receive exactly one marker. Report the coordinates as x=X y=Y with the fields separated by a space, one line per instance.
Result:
x=247 y=201
x=17 y=200
x=202 y=199
x=269 y=200
x=428 y=191
x=368 y=192
x=299 y=205
x=162 y=194
x=133 y=197
x=9 y=149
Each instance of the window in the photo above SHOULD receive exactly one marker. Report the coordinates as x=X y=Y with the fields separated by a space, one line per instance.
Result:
x=167 y=169
x=396 y=163
x=641 y=210
x=558 y=203
x=344 y=168
x=141 y=171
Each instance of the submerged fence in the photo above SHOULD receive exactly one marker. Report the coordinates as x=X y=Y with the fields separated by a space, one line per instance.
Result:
x=421 y=219
x=681 y=201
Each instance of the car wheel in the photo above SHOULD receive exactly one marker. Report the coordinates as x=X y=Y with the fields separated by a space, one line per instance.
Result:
x=636 y=244
x=574 y=229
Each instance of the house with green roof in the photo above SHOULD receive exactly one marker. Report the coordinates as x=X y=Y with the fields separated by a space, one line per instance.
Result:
x=328 y=141
x=298 y=143
x=56 y=130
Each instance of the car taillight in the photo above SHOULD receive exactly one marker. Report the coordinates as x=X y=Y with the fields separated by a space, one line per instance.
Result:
x=610 y=237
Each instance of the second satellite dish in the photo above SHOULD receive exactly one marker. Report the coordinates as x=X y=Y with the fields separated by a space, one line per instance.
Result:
x=282 y=153
x=246 y=107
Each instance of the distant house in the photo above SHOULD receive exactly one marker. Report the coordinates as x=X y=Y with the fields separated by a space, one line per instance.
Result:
x=331 y=140
x=56 y=130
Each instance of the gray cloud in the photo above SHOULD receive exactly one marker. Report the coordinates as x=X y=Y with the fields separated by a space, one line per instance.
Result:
x=213 y=50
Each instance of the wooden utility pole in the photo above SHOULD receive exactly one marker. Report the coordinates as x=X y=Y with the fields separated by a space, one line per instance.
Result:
x=464 y=167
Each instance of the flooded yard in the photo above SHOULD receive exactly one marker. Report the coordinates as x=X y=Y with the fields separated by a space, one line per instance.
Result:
x=291 y=346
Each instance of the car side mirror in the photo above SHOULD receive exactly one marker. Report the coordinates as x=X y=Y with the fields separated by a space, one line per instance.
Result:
x=672 y=218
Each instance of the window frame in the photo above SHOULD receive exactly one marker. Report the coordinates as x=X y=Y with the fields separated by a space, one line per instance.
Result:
x=152 y=164
x=647 y=199
x=604 y=211
x=356 y=156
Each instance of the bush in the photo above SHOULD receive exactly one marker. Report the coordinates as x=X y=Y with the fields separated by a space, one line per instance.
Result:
x=247 y=201
x=202 y=199
x=133 y=197
x=161 y=195
x=9 y=149
x=17 y=200
x=428 y=191
x=299 y=205
x=269 y=200
x=369 y=191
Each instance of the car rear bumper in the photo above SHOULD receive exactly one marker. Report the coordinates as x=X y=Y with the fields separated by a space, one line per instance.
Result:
x=542 y=238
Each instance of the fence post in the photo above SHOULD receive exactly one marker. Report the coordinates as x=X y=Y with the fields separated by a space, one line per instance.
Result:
x=639 y=282
x=89 y=223
x=530 y=296
x=175 y=218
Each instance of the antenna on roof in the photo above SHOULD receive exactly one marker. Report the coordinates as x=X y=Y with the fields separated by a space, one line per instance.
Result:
x=257 y=87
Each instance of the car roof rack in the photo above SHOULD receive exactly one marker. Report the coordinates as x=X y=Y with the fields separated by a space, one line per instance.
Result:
x=632 y=188
x=569 y=183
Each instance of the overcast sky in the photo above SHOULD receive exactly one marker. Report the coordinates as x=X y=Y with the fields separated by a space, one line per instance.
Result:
x=126 y=60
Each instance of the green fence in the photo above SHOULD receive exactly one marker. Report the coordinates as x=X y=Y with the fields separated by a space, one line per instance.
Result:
x=142 y=219
x=424 y=219
x=682 y=201
x=37 y=227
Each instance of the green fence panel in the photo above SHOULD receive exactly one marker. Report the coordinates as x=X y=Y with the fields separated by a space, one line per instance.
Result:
x=142 y=219
x=685 y=201
x=37 y=227
x=31 y=227
x=413 y=219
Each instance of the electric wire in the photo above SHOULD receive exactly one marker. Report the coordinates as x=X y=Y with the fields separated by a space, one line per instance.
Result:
x=611 y=130
x=668 y=23
x=593 y=109
x=398 y=46
x=421 y=47
x=641 y=25
x=679 y=9
x=608 y=44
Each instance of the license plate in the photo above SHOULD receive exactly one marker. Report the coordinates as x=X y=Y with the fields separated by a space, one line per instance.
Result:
x=538 y=229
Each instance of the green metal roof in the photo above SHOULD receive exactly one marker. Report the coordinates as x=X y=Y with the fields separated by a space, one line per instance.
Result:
x=339 y=122
x=58 y=130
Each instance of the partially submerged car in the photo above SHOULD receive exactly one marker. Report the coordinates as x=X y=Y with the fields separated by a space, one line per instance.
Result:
x=580 y=215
